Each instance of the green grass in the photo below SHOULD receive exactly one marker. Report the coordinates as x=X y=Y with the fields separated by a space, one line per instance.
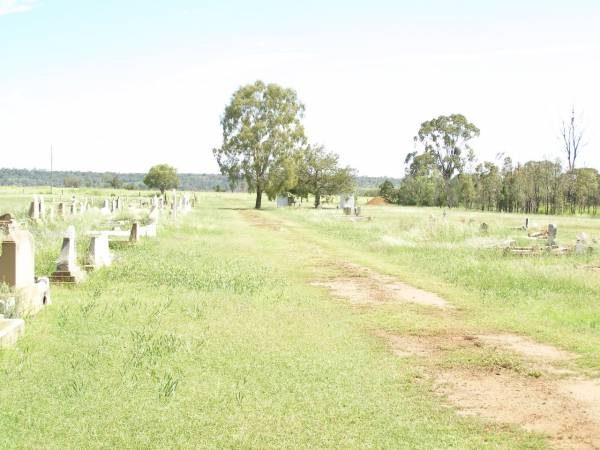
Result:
x=211 y=336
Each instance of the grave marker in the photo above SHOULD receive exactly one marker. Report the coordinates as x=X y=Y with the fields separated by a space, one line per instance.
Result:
x=34 y=209
x=67 y=270
x=552 y=232
x=134 y=235
x=98 y=253
x=17 y=264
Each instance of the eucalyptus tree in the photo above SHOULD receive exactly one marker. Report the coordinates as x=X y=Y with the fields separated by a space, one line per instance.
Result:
x=320 y=174
x=446 y=140
x=262 y=130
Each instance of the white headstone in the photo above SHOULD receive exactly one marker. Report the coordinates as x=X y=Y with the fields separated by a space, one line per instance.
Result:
x=98 y=252
x=347 y=201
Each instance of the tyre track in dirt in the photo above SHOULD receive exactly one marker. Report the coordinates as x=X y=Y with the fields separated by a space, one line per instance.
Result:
x=541 y=395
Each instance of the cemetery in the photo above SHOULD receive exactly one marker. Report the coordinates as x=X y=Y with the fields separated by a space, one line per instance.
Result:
x=299 y=225
x=26 y=294
x=63 y=273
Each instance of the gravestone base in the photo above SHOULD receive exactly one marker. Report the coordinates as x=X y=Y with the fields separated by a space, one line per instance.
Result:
x=67 y=277
x=10 y=331
x=34 y=297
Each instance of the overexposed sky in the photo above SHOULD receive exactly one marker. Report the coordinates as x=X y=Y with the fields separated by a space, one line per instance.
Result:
x=122 y=85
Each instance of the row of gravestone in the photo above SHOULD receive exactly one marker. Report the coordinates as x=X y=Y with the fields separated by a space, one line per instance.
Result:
x=39 y=211
x=17 y=263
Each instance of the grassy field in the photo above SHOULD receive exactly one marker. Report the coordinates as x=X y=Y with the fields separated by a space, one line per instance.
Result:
x=214 y=336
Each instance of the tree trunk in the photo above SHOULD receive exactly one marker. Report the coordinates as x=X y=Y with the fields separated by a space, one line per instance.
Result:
x=448 y=189
x=258 y=197
x=317 y=200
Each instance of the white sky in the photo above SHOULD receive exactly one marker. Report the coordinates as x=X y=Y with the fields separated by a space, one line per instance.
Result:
x=130 y=89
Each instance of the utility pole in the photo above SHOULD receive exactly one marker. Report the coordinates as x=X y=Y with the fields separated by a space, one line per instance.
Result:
x=51 y=164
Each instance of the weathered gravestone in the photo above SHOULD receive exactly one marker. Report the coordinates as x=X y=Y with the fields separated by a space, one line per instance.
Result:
x=10 y=331
x=186 y=204
x=41 y=208
x=346 y=201
x=134 y=235
x=67 y=270
x=582 y=244
x=153 y=214
x=17 y=264
x=105 y=207
x=348 y=211
x=61 y=209
x=552 y=232
x=98 y=253
x=34 y=209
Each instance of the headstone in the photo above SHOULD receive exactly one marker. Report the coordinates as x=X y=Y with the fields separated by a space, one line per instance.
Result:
x=134 y=235
x=282 y=201
x=185 y=203
x=153 y=214
x=34 y=208
x=483 y=228
x=552 y=232
x=67 y=270
x=98 y=252
x=346 y=201
x=17 y=261
x=41 y=208
x=105 y=207
x=17 y=264
x=61 y=209
x=348 y=211
x=582 y=246
x=73 y=209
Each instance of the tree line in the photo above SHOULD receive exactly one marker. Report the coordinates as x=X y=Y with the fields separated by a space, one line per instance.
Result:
x=442 y=172
x=187 y=181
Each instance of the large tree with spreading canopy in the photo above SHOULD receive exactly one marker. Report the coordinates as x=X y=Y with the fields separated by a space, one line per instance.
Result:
x=262 y=131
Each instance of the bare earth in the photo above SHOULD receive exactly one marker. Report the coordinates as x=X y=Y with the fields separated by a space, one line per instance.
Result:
x=360 y=285
x=566 y=409
x=559 y=404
